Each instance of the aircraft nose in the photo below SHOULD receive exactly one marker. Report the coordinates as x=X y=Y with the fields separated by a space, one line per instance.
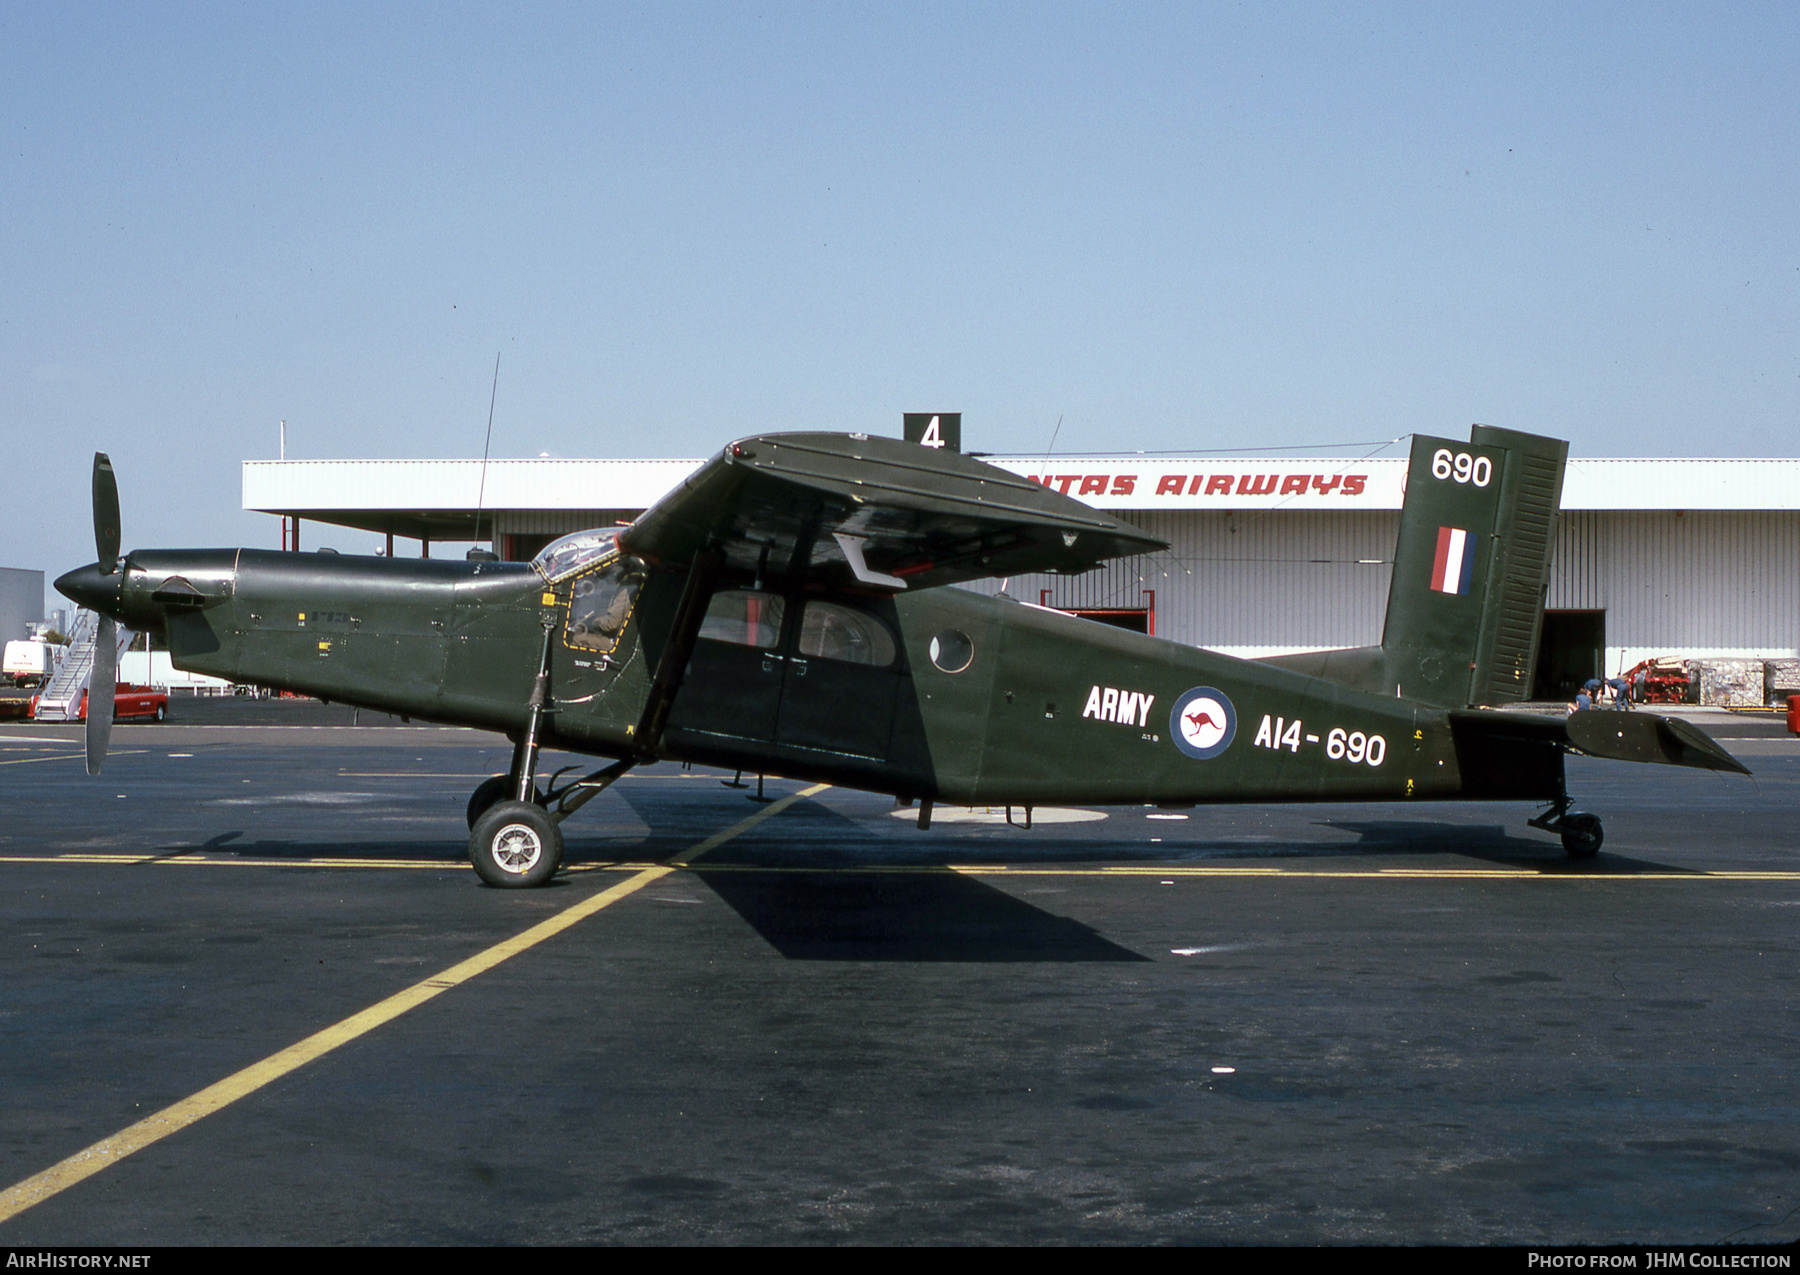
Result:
x=91 y=588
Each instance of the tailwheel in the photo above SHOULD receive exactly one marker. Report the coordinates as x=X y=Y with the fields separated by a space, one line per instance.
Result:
x=515 y=845
x=1581 y=834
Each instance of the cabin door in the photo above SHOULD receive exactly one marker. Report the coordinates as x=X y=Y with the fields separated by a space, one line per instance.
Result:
x=843 y=678
x=733 y=682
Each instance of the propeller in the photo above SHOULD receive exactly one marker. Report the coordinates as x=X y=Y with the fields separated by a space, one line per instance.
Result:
x=106 y=514
x=105 y=676
x=101 y=684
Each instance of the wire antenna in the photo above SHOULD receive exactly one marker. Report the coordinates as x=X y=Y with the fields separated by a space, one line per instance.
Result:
x=1053 y=434
x=481 y=490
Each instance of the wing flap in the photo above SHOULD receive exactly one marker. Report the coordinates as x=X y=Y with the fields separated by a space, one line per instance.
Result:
x=874 y=512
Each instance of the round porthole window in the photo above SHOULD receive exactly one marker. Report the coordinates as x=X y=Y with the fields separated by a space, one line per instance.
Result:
x=952 y=651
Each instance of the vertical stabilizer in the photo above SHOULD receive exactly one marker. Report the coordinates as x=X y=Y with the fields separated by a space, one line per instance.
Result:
x=1465 y=609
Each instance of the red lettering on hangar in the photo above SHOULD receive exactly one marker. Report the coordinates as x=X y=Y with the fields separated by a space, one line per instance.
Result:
x=1222 y=484
x=1261 y=484
x=1091 y=484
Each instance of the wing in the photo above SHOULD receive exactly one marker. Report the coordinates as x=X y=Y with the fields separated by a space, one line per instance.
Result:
x=847 y=509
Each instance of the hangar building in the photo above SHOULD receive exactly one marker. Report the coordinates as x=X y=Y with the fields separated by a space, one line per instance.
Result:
x=1688 y=559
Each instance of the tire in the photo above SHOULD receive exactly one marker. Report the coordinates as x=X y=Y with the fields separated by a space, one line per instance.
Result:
x=487 y=792
x=162 y=713
x=1582 y=835
x=516 y=845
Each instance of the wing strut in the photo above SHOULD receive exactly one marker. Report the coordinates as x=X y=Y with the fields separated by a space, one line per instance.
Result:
x=677 y=650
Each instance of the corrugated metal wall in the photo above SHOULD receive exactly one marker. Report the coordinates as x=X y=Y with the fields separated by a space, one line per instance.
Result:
x=557 y=522
x=1249 y=583
x=1718 y=582
x=1715 y=581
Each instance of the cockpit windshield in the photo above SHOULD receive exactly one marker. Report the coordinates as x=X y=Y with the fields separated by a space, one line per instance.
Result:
x=563 y=558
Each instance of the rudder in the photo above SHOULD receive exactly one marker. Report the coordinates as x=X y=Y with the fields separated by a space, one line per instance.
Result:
x=1465 y=609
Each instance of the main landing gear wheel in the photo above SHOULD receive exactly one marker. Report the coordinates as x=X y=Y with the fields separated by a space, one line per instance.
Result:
x=489 y=791
x=516 y=845
x=1582 y=834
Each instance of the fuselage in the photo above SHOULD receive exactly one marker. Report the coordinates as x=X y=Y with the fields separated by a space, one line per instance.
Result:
x=942 y=693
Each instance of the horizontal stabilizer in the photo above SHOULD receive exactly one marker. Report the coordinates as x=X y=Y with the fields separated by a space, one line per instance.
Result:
x=1628 y=736
x=877 y=512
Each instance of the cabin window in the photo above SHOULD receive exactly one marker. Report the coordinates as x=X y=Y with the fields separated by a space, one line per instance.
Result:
x=600 y=605
x=952 y=650
x=832 y=632
x=744 y=617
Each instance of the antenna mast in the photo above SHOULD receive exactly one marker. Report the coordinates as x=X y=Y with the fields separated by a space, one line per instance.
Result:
x=481 y=491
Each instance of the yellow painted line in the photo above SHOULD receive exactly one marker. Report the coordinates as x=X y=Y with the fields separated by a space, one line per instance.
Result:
x=114 y=859
x=195 y=861
x=767 y=812
x=173 y=1119
x=685 y=860
x=26 y=761
x=1370 y=874
x=1508 y=874
x=411 y=774
x=487 y=774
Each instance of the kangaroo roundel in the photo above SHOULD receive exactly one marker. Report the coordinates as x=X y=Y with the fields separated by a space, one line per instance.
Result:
x=1202 y=723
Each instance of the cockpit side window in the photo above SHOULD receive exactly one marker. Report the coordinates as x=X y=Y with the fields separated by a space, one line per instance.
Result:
x=744 y=617
x=573 y=554
x=832 y=632
x=601 y=604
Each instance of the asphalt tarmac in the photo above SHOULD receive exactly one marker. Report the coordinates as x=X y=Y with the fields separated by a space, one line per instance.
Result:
x=1296 y=1024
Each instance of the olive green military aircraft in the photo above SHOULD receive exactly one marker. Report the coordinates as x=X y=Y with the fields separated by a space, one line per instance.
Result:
x=784 y=611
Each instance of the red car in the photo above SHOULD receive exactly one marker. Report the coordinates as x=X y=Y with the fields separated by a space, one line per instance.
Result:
x=128 y=702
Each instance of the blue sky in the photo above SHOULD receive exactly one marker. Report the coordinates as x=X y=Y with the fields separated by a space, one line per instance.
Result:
x=1186 y=226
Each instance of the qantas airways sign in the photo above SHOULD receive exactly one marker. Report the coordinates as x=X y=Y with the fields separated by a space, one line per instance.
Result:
x=1113 y=483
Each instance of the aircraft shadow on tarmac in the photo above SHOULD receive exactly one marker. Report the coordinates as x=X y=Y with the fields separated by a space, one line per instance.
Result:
x=812 y=835
x=816 y=913
x=900 y=916
x=1492 y=844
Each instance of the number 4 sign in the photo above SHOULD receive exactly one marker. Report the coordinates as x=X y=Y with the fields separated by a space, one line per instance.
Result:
x=934 y=429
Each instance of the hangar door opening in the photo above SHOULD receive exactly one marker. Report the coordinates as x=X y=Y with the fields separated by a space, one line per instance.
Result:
x=1136 y=619
x=1573 y=649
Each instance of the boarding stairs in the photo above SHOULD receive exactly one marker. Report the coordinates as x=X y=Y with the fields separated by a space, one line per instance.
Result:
x=60 y=701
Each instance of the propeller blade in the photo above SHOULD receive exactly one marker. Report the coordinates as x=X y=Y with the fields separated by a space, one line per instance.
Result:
x=106 y=514
x=101 y=686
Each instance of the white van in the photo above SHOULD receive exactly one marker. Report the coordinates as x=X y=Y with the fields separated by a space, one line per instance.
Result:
x=30 y=663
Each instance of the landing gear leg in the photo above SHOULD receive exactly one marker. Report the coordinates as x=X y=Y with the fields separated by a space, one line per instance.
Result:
x=516 y=843
x=525 y=751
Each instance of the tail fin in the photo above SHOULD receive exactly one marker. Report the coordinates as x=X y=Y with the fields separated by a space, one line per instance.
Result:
x=1466 y=606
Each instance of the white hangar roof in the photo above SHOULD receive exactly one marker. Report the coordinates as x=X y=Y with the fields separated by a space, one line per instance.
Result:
x=439 y=498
